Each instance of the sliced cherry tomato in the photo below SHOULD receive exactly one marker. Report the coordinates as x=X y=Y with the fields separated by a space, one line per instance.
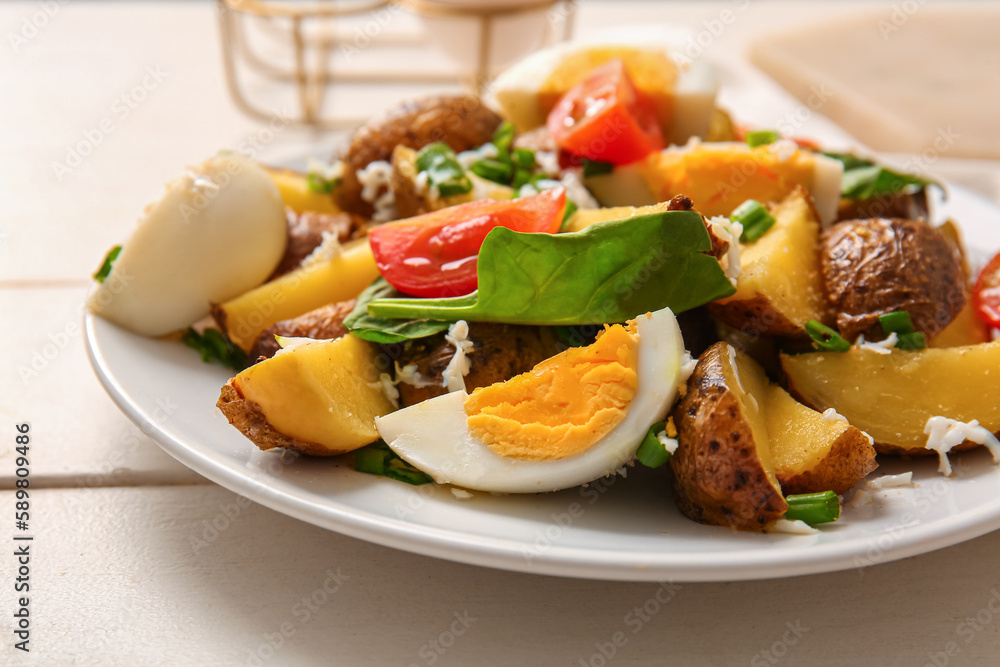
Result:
x=605 y=118
x=986 y=294
x=434 y=255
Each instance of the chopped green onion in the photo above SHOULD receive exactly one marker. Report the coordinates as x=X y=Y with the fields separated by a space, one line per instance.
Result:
x=213 y=346
x=571 y=208
x=813 y=508
x=864 y=179
x=317 y=183
x=761 y=138
x=109 y=259
x=651 y=452
x=521 y=177
x=912 y=341
x=524 y=158
x=378 y=459
x=755 y=218
x=595 y=168
x=503 y=137
x=898 y=322
x=826 y=338
x=443 y=169
x=492 y=170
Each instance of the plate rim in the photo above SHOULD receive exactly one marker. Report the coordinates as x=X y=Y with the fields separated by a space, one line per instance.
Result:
x=557 y=560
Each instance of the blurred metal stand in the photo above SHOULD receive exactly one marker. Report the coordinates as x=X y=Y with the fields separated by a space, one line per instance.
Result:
x=308 y=28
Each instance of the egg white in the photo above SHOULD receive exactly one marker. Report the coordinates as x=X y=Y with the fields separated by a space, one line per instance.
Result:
x=434 y=435
x=218 y=231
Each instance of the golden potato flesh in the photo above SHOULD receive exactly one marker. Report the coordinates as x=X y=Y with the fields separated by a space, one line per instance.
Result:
x=321 y=397
x=723 y=470
x=780 y=289
x=891 y=396
x=813 y=453
x=878 y=266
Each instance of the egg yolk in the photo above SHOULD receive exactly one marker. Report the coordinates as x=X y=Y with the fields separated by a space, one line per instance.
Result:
x=718 y=181
x=564 y=405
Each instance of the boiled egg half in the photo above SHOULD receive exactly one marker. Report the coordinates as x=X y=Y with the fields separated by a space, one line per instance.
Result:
x=218 y=231
x=574 y=418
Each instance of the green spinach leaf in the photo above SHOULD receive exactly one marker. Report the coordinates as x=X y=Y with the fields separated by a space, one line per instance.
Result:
x=609 y=272
x=381 y=330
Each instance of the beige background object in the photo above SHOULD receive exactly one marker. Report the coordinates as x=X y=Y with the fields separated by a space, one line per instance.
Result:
x=914 y=77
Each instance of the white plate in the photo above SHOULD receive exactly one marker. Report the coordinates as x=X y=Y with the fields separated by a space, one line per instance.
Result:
x=625 y=529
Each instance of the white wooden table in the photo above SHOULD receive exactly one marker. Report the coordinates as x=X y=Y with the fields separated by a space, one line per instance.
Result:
x=126 y=567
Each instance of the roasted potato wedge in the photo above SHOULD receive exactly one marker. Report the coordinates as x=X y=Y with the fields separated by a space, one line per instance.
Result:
x=501 y=352
x=295 y=192
x=813 y=453
x=891 y=396
x=877 y=266
x=320 y=398
x=321 y=324
x=780 y=289
x=460 y=121
x=723 y=469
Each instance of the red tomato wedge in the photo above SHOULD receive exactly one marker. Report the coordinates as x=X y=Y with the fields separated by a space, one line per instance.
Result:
x=434 y=255
x=986 y=294
x=604 y=118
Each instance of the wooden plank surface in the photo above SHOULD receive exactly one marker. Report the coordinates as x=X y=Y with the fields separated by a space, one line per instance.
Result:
x=166 y=576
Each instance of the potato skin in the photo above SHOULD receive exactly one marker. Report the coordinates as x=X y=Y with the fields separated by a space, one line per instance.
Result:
x=249 y=419
x=460 y=121
x=501 y=352
x=756 y=316
x=325 y=322
x=880 y=265
x=719 y=478
x=850 y=460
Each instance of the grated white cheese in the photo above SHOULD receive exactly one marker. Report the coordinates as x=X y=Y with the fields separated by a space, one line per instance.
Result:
x=410 y=375
x=729 y=232
x=890 y=482
x=373 y=178
x=388 y=388
x=860 y=498
x=469 y=158
x=669 y=444
x=327 y=249
x=576 y=191
x=425 y=187
x=944 y=434
x=327 y=171
x=548 y=162
x=461 y=494
x=790 y=527
x=783 y=149
x=454 y=374
x=832 y=415
x=881 y=347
